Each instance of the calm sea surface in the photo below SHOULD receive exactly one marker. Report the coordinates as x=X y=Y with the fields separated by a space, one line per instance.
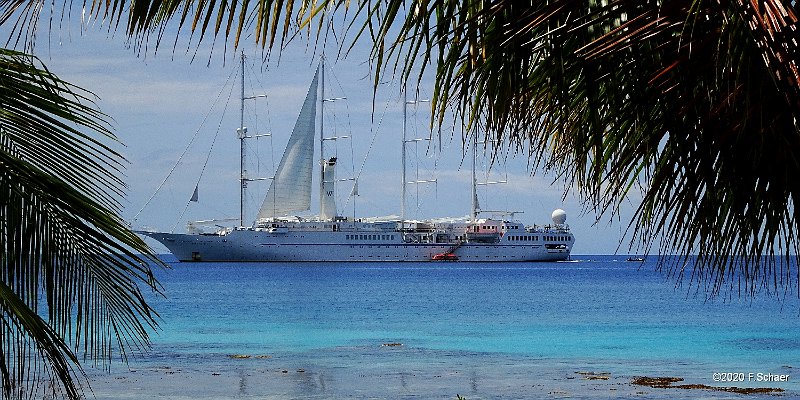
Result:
x=434 y=330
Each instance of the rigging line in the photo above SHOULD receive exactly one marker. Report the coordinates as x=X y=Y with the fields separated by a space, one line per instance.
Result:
x=257 y=78
x=349 y=119
x=375 y=131
x=346 y=104
x=185 y=150
x=208 y=155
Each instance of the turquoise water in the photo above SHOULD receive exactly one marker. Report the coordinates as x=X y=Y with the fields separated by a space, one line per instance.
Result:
x=520 y=326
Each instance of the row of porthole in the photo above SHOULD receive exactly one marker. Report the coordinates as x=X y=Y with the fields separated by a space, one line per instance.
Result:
x=523 y=238
x=369 y=237
x=557 y=238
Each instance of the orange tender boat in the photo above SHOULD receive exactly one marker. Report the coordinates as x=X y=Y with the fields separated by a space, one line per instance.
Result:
x=445 y=257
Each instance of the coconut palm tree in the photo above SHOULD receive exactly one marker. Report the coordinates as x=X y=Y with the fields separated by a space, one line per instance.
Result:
x=692 y=104
x=70 y=269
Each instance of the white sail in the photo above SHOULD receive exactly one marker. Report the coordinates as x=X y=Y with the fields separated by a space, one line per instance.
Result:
x=290 y=190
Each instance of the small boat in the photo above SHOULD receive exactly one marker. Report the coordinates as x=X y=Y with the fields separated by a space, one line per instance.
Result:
x=279 y=233
x=635 y=259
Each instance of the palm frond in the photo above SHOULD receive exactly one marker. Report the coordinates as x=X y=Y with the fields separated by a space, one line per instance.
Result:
x=694 y=102
x=66 y=255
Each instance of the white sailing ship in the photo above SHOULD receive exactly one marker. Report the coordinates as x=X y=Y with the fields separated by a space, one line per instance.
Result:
x=278 y=234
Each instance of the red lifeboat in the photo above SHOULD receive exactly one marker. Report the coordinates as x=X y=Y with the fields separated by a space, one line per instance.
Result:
x=445 y=257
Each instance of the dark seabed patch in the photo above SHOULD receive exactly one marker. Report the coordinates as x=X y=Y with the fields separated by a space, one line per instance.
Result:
x=669 y=383
x=766 y=343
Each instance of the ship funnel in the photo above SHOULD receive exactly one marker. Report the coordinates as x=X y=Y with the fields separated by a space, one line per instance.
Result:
x=328 y=197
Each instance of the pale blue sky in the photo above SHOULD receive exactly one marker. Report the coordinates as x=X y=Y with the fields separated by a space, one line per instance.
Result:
x=158 y=102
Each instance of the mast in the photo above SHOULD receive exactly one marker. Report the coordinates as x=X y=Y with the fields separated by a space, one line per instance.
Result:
x=403 y=156
x=242 y=133
x=321 y=135
x=474 y=181
x=406 y=141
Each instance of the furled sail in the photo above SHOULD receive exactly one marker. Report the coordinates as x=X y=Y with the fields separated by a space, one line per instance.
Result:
x=290 y=190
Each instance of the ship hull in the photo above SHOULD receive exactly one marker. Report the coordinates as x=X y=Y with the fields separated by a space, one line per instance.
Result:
x=259 y=246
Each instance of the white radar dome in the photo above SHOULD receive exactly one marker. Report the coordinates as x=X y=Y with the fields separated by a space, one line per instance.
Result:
x=559 y=216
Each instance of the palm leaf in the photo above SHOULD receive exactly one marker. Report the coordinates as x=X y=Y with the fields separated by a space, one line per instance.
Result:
x=694 y=103
x=66 y=255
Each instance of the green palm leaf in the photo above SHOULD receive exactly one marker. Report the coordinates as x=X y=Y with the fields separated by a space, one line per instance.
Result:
x=694 y=103
x=70 y=266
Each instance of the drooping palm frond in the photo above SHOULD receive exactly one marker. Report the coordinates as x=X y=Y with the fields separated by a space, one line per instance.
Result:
x=69 y=266
x=696 y=102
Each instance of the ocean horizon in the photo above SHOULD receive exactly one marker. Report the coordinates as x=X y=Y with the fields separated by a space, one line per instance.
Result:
x=586 y=328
